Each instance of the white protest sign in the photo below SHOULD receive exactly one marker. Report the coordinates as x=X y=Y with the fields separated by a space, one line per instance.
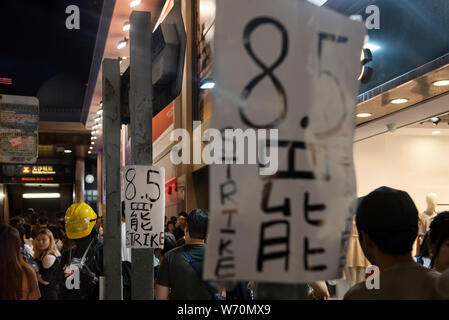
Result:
x=291 y=66
x=144 y=193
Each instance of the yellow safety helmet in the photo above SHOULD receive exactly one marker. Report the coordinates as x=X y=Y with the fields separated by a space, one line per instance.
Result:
x=80 y=219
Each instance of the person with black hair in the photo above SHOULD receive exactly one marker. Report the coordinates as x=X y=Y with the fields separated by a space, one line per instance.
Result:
x=179 y=276
x=178 y=232
x=170 y=227
x=43 y=222
x=387 y=222
x=438 y=242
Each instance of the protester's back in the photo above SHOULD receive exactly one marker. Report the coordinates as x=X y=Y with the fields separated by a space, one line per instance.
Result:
x=387 y=222
x=177 y=273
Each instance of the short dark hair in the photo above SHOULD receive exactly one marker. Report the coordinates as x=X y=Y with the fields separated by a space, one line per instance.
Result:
x=197 y=223
x=27 y=228
x=57 y=234
x=171 y=222
x=439 y=232
x=43 y=220
x=183 y=214
x=390 y=218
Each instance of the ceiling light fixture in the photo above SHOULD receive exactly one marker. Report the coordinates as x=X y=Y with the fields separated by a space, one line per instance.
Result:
x=89 y=152
x=122 y=43
x=436 y=132
x=441 y=83
x=41 y=195
x=207 y=84
x=126 y=26
x=67 y=151
x=134 y=3
x=100 y=112
x=364 y=115
x=436 y=120
x=98 y=119
x=399 y=101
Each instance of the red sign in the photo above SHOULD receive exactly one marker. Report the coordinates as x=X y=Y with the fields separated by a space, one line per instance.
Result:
x=26 y=170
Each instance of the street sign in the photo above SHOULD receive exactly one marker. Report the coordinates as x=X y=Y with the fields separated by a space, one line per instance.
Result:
x=19 y=118
x=144 y=194
x=291 y=67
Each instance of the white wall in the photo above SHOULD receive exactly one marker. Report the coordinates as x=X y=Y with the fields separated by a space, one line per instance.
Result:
x=418 y=164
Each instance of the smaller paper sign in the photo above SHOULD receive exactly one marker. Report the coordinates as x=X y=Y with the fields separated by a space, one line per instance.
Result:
x=16 y=142
x=144 y=195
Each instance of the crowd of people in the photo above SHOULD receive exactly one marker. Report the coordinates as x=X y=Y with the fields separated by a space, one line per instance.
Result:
x=39 y=257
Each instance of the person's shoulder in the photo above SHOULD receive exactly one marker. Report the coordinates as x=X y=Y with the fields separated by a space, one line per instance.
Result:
x=48 y=261
x=173 y=252
x=357 y=292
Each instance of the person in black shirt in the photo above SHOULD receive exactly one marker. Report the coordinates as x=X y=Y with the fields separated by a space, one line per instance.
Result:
x=47 y=257
x=181 y=223
x=83 y=256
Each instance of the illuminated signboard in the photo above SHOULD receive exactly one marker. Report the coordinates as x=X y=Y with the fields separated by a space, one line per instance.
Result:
x=10 y=173
x=38 y=170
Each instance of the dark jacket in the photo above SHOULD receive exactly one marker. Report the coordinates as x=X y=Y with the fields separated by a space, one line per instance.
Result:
x=89 y=274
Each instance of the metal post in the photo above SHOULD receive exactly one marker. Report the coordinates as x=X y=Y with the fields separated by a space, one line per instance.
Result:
x=141 y=116
x=111 y=136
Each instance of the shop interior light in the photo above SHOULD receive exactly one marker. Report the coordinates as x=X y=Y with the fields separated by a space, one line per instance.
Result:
x=2 y=195
x=207 y=84
x=436 y=120
x=122 y=43
x=101 y=103
x=364 y=115
x=100 y=112
x=92 y=142
x=436 y=132
x=399 y=101
x=126 y=26
x=67 y=151
x=89 y=152
x=41 y=195
x=372 y=46
x=134 y=3
x=441 y=83
x=98 y=119
x=90 y=148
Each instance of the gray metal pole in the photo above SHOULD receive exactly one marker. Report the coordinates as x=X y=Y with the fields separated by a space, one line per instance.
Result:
x=141 y=116
x=111 y=136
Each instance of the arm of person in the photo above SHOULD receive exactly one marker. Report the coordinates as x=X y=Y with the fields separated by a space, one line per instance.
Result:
x=162 y=289
x=162 y=292
x=320 y=290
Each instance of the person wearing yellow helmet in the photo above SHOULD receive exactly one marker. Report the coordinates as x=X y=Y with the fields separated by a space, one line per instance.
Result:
x=84 y=258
